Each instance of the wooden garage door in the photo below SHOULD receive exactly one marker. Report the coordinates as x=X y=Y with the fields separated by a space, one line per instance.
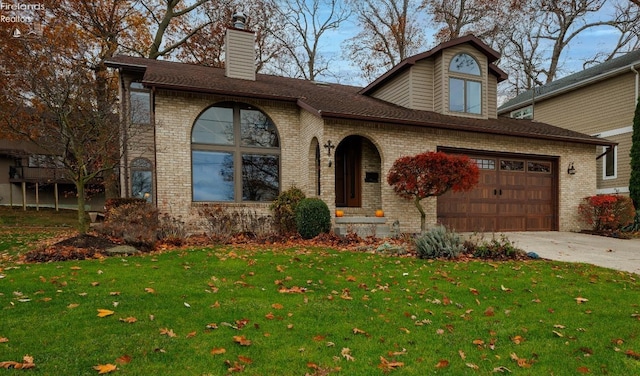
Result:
x=514 y=194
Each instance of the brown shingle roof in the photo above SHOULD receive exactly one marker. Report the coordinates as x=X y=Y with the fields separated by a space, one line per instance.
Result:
x=331 y=100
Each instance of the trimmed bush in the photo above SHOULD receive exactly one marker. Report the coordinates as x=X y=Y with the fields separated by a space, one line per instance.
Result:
x=312 y=218
x=495 y=249
x=135 y=222
x=606 y=212
x=284 y=210
x=438 y=242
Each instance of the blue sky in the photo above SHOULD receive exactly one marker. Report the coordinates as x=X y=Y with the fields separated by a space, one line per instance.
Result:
x=585 y=46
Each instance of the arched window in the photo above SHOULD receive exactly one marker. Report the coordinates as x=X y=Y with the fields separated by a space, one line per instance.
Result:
x=235 y=155
x=465 y=90
x=142 y=179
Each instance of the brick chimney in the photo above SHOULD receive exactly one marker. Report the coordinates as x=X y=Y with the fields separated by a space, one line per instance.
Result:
x=240 y=54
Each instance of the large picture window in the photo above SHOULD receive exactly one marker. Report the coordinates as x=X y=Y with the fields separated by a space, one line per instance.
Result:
x=465 y=87
x=235 y=155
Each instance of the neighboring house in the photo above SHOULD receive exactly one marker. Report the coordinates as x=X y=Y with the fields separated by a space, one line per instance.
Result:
x=32 y=177
x=599 y=101
x=236 y=138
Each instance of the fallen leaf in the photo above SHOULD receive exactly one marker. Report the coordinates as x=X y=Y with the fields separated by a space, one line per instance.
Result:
x=105 y=313
x=359 y=331
x=633 y=354
x=583 y=369
x=277 y=306
x=218 y=351
x=505 y=288
x=581 y=300
x=129 y=320
x=245 y=359
x=168 y=332
x=4 y=339
x=105 y=368
x=387 y=366
x=73 y=305
x=149 y=290
x=517 y=340
x=27 y=363
x=125 y=359
x=242 y=340
x=462 y=354
x=442 y=363
x=346 y=353
x=191 y=334
x=472 y=366
x=187 y=305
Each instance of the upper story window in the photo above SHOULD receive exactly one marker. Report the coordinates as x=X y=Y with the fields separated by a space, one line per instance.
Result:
x=140 y=104
x=235 y=155
x=523 y=113
x=465 y=87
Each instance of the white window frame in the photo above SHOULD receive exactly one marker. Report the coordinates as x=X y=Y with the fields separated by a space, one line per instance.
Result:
x=604 y=164
x=523 y=113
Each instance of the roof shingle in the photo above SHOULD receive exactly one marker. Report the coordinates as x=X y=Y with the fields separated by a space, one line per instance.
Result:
x=331 y=100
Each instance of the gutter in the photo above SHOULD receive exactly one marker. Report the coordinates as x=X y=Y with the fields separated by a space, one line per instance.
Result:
x=633 y=69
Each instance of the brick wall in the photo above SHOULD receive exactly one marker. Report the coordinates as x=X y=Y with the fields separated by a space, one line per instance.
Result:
x=383 y=144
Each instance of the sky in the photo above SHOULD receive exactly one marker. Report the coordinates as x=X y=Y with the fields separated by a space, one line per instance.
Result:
x=583 y=47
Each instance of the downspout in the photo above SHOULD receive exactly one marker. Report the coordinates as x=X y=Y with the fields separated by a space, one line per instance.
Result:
x=633 y=69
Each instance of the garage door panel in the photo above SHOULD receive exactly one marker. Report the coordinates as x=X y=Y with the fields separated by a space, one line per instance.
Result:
x=513 y=194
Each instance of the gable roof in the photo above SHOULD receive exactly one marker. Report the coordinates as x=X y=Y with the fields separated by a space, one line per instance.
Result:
x=405 y=64
x=571 y=82
x=330 y=101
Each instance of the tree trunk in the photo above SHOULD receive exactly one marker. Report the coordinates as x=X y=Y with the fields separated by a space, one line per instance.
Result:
x=82 y=215
x=423 y=215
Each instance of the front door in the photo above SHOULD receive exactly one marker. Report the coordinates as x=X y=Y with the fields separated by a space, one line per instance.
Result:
x=348 y=172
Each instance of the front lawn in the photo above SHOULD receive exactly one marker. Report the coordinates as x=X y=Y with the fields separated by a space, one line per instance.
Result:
x=317 y=311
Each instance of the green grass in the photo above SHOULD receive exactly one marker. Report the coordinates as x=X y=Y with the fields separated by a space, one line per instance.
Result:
x=407 y=310
x=16 y=217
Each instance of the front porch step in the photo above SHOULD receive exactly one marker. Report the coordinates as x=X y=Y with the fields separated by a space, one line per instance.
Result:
x=362 y=226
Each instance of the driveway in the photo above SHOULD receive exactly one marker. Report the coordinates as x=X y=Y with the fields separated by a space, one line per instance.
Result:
x=619 y=254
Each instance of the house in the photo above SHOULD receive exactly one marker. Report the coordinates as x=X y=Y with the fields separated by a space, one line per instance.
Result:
x=32 y=177
x=598 y=101
x=236 y=138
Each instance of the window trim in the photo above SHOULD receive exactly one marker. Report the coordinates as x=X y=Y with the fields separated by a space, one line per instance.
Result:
x=466 y=78
x=605 y=158
x=136 y=87
x=238 y=150
x=522 y=113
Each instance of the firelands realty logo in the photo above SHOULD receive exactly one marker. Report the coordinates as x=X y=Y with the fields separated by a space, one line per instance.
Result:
x=22 y=13
x=19 y=12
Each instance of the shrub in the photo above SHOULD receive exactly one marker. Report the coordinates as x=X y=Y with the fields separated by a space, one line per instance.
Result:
x=284 y=210
x=223 y=224
x=495 y=249
x=312 y=217
x=172 y=230
x=113 y=203
x=135 y=222
x=438 y=242
x=606 y=212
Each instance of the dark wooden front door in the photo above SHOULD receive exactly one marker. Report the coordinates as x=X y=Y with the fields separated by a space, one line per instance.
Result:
x=514 y=194
x=348 y=172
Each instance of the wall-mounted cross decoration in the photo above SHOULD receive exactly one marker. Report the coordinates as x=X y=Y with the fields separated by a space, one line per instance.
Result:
x=329 y=146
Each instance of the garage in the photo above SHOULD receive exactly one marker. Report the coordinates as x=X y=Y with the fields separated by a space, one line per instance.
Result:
x=515 y=193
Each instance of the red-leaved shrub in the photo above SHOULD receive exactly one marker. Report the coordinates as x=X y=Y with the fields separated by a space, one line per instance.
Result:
x=606 y=212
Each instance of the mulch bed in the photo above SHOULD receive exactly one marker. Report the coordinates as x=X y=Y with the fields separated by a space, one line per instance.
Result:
x=78 y=247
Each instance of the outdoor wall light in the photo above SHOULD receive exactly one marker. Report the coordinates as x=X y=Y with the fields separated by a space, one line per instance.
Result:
x=329 y=146
x=571 y=170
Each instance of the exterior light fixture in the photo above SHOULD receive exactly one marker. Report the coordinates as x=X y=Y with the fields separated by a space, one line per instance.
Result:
x=571 y=170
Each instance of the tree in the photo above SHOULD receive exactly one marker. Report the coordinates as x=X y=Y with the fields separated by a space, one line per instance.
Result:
x=390 y=32
x=634 y=180
x=305 y=23
x=483 y=18
x=431 y=174
x=534 y=42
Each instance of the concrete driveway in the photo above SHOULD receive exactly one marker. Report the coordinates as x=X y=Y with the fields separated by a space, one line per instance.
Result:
x=619 y=254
